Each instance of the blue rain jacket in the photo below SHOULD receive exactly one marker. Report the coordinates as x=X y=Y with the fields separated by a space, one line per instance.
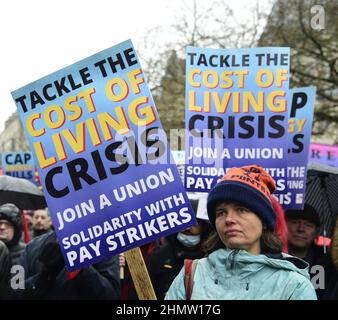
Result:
x=236 y=274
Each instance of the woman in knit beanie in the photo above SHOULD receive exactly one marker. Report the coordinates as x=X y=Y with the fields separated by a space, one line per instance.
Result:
x=244 y=254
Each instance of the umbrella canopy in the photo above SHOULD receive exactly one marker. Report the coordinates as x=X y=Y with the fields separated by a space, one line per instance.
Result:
x=21 y=192
x=322 y=195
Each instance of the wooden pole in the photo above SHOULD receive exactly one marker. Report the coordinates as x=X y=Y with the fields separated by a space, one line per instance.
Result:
x=121 y=256
x=121 y=273
x=139 y=274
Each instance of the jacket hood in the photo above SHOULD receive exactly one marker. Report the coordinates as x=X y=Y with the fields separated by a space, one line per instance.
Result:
x=5 y=265
x=11 y=213
x=4 y=257
x=250 y=263
x=238 y=275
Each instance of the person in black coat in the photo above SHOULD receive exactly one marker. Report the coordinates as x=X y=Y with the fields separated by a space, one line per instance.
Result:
x=303 y=228
x=5 y=266
x=46 y=276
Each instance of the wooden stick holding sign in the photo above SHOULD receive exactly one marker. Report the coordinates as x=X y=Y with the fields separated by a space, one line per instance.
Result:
x=122 y=264
x=139 y=274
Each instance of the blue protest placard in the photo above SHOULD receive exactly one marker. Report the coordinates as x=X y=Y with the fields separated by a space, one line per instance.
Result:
x=19 y=165
x=301 y=101
x=102 y=157
x=236 y=113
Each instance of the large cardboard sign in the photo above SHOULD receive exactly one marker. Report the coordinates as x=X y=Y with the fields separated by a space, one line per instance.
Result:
x=236 y=113
x=102 y=157
x=301 y=103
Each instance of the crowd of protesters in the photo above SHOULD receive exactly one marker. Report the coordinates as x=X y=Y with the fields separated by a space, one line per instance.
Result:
x=248 y=249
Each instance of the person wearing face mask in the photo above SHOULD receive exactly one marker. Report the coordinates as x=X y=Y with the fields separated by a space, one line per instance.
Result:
x=244 y=258
x=168 y=259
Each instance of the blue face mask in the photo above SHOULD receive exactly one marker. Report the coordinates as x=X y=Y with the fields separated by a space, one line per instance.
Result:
x=188 y=240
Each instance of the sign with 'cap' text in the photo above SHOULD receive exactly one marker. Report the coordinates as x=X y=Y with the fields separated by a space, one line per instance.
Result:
x=19 y=165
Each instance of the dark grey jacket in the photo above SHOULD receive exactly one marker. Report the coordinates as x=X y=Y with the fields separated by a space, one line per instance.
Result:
x=5 y=265
x=99 y=281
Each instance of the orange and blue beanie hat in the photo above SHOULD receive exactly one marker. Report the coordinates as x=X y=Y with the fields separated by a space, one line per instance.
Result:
x=250 y=186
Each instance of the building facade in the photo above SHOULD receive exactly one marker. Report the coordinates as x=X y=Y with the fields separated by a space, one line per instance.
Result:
x=13 y=137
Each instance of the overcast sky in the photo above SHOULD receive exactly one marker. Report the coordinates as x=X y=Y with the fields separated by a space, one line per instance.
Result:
x=39 y=37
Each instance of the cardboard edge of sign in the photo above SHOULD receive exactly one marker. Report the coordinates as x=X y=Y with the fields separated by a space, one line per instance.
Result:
x=322 y=167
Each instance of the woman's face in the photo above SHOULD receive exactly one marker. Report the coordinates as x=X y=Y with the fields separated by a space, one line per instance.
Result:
x=238 y=227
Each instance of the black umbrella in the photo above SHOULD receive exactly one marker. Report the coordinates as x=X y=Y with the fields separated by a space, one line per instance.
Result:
x=322 y=195
x=21 y=192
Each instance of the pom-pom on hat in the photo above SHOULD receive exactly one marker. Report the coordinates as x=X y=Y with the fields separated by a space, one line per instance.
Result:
x=251 y=186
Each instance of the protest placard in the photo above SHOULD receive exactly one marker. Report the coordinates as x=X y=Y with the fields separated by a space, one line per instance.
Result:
x=301 y=102
x=102 y=157
x=19 y=165
x=324 y=153
x=199 y=197
x=236 y=113
x=179 y=157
